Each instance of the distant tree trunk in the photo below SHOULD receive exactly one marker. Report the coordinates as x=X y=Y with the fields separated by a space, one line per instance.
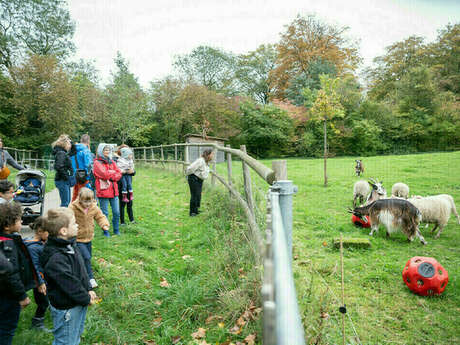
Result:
x=325 y=154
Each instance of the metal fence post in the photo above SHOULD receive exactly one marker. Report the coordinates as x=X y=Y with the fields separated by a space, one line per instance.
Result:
x=286 y=190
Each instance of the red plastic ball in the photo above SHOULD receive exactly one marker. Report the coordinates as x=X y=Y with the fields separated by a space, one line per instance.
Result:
x=425 y=276
x=361 y=223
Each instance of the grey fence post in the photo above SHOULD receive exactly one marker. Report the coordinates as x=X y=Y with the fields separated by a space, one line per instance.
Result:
x=286 y=191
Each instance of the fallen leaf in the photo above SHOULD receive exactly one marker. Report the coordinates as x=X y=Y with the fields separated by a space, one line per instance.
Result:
x=158 y=302
x=149 y=342
x=164 y=283
x=240 y=322
x=296 y=257
x=186 y=257
x=250 y=339
x=235 y=330
x=175 y=339
x=201 y=333
x=157 y=322
x=325 y=244
x=324 y=315
x=221 y=325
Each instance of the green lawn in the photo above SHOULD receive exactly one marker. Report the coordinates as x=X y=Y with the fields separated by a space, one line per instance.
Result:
x=220 y=280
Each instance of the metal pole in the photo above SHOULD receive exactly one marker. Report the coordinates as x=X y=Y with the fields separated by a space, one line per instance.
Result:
x=289 y=327
x=286 y=192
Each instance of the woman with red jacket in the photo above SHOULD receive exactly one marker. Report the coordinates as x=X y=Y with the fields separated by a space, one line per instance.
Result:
x=107 y=174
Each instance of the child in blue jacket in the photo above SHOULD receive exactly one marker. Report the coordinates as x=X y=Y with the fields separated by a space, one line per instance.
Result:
x=35 y=246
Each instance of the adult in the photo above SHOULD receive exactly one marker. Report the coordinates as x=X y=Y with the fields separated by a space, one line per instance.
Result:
x=83 y=160
x=107 y=174
x=196 y=173
x=5 y=158
x=129 y=204
x=62 y=150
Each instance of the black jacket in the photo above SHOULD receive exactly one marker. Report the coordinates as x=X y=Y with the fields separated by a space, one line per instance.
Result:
x=65 y=274
x=62 y=163
x=22 y=275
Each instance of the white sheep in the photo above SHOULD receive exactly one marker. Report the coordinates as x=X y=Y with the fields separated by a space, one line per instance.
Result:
x=361 y=190
x=436 y=210
x=400 y=190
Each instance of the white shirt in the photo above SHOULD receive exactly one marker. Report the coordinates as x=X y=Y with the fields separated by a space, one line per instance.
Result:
x=198 y=168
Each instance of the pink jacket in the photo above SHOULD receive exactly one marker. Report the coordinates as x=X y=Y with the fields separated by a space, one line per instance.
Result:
x=107 y=174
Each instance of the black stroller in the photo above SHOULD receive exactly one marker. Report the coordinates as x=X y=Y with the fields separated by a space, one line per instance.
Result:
x=30 y=193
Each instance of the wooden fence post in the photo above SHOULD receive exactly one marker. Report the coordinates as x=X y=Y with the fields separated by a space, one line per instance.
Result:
x=247 y=183
x=229 y=168
x=175 y=158
x=280 y=169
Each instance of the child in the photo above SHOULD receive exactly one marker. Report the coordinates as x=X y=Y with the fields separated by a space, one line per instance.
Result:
x=35 y=247
x=126 y=162
x=21 y=278
x=6 y=191
x=86 y=212
x=69 y=290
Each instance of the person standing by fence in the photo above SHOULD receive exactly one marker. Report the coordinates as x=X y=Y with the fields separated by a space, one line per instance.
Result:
x=196 y=173
x=129 y=203
x=107 y=175
x=82 y=164
x=5 y=158
x=64 y=178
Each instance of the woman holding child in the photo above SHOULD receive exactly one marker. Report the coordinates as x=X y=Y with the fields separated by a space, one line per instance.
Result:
x=107 y=175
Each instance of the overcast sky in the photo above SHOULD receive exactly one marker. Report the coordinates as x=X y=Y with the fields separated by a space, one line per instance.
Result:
x=149 y=33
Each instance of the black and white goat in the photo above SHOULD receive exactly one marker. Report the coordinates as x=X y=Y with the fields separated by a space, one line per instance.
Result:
x=359 y=167
x=393 y=214
x=378 y=191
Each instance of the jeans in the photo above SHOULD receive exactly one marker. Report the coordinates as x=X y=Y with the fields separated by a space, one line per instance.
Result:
x=104 y=203
x=86 y=251
x=195 y=184
x=9 y=317
x=129 y=208
x=68 y=325
x=126 y=183
x=64 y=191
x=42 y=303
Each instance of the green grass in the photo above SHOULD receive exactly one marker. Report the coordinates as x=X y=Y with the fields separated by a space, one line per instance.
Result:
x=381 y=307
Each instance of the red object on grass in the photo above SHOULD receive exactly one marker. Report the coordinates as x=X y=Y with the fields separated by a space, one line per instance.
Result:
x=361 y=223
x=425 y=276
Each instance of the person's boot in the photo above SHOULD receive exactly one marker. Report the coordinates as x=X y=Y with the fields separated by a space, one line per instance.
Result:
x=38 y=323
x=131 y=197
x=125 y=197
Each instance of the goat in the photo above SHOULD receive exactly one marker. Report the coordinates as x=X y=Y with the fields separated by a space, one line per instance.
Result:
x=393 y=214
x=359 y=168
x=400 y=190
x=378 y=191
x=435 y=210
x=361 y=190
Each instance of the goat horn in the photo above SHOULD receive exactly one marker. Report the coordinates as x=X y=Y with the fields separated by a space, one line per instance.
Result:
x=350 y=210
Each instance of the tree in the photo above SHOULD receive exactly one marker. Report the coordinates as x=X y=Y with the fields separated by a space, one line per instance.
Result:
x=41 y=27
x=253 y=72
x=326 y=107
x=125 y=102
x=210 y=67
x=265 y=129
x=305 y=41
x=45 y=99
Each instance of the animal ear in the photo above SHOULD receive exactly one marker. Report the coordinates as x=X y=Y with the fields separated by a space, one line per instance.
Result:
x=350 y=210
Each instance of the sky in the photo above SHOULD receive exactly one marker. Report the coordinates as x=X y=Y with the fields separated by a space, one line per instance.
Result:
x=150 y=33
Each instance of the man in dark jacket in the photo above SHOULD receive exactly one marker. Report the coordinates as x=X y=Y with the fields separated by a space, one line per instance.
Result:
x=69 y=290
x=19 y=275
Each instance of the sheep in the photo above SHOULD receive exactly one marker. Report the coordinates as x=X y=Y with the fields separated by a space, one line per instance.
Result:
x=378 y=191
x=361 y=190
x=393 y=214
x=436 y=210
x=400 y=190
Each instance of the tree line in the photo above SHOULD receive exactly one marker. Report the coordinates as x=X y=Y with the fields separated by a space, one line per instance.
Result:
x=280 y=99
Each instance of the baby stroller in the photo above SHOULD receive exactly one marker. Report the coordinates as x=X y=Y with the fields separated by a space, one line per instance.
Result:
x=30 y=192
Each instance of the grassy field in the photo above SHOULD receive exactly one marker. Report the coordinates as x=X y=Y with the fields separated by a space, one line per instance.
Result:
x=208 y=266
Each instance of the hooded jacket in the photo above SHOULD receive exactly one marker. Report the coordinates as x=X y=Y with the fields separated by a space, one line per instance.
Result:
x=106 y=169
x=22 y=276
x=83 y=157
x=62 y=163
x=65 y=274
x=85 y=220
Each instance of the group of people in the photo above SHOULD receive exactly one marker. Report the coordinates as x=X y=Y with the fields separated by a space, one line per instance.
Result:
x=107 y=173
x=56 y=262
x=53 y=264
